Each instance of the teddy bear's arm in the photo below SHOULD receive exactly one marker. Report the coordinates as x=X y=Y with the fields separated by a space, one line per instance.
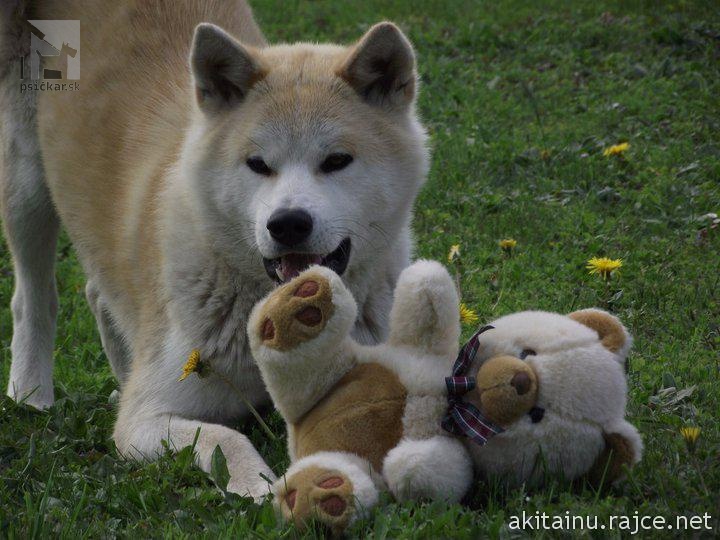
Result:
x=438 y=468
x=425 y=312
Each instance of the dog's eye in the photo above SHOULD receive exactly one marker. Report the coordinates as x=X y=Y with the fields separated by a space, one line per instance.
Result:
x=335 y=162
x=258 y=166
x=527 y=352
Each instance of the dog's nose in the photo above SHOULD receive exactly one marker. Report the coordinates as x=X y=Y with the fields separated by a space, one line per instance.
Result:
x=290 y=226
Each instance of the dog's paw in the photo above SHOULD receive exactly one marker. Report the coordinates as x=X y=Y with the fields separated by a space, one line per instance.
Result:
x=316 y=493
x=296 y=312
x=25 y=389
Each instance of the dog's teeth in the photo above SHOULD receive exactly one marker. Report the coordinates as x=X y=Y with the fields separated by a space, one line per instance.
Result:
x=279 y=273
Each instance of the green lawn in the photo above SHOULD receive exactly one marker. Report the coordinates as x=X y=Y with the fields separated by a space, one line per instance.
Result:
x=520 y=101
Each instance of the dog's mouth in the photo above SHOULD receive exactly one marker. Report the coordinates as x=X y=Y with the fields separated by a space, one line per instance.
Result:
x=286 y=267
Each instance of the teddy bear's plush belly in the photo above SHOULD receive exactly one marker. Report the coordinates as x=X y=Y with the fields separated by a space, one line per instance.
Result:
x=362 y=414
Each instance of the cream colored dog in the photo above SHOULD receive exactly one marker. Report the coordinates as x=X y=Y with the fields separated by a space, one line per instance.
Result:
x=195 y=167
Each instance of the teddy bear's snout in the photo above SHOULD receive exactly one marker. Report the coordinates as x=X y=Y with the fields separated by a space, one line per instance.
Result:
x=506 y=389
x=522 y=383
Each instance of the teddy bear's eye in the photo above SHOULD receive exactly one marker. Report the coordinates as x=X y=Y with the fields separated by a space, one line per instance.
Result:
x=527 y=352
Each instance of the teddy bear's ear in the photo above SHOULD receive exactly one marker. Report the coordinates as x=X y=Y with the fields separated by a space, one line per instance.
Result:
x=611 y=331
x=610 y=465
x=623 y=449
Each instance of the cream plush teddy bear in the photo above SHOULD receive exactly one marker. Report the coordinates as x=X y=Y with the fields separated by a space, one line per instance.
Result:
x=554 y=386
x=531 y=393
x=361 y=419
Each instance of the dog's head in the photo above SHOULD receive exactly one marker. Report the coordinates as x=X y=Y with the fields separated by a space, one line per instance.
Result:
x=305 y=154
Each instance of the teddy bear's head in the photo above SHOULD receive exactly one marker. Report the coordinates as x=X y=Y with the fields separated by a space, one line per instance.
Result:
x=554 y=383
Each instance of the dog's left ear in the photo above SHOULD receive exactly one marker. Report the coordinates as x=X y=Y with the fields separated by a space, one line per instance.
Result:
x=610 y=330
x=223 y=69
x=381 y=67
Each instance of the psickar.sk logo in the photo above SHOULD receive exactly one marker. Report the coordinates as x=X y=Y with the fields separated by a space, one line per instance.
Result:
x=54 y=60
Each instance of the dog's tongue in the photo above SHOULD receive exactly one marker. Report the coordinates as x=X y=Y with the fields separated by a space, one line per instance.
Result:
x=291 y=265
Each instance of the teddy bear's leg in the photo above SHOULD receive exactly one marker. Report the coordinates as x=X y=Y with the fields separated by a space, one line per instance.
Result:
x=425 y=312
x=335 y=488
x=313 y=307
x=299 y=337
x=439 y=468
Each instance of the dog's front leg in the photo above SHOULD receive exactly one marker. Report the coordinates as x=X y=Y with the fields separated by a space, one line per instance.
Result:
x=156 y=407
x=141 y=438
x=111 y=338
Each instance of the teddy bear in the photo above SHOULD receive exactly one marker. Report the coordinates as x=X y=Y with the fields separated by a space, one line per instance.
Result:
x=554 y=389
x=361 y=419
x=533 y=393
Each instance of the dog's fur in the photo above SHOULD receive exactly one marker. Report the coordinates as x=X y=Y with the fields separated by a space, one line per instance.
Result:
x=145 y=166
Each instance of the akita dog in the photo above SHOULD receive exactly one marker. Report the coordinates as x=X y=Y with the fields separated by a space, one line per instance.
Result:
x=195 y=167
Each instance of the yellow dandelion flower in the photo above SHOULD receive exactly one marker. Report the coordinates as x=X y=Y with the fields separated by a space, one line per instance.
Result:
x=467 y=315
x=507 y=244
x=192 y=365
x=690 y=434
x=454 y=253
x=603 y=266
x=616 y=149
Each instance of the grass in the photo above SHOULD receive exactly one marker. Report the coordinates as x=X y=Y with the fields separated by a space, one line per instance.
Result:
x=520 y=101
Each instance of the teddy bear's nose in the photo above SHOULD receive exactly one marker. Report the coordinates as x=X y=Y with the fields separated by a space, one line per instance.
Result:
x=521 y=382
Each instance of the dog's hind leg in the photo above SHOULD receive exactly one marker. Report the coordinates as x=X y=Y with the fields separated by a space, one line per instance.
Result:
x=112 y=340
x=30 y=222
x=31 y=230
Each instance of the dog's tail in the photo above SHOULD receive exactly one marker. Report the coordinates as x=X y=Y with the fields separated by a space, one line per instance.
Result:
x=14 y=33
x=12 y=8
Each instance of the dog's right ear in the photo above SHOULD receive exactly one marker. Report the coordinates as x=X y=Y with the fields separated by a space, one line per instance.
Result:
x=223 y=69
x=381 y=67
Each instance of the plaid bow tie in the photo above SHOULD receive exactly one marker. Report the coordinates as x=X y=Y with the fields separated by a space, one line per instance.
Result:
x=463 y=418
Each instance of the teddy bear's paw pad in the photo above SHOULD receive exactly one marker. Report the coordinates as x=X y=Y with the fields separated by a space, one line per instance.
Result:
x=307 y=289
x=296 y=312
x=268 y=330
x=315 y=493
